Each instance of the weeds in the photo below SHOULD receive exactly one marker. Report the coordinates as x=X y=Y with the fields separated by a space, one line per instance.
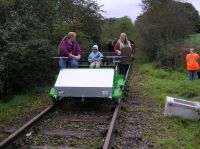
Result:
x=177 y=132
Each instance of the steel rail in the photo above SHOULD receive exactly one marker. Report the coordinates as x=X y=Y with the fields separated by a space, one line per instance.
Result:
x=22 y=129
x=108 y=140
x=60 y=57
x=127 y=73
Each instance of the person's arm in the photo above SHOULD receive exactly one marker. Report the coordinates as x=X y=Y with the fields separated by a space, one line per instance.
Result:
x=117 y=48
x=78 y=51
x=78 y=57
x=100 y=56
x=90 y=58
x=197 y=57
x=63 y=49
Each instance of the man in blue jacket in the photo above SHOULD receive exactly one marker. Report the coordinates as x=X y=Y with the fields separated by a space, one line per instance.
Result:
x=95 y=57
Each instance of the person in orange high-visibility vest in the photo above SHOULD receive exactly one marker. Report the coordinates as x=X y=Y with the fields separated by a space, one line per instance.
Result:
x=192 y=64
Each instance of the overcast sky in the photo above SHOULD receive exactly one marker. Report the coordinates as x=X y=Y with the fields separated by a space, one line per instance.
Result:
x=131 y=8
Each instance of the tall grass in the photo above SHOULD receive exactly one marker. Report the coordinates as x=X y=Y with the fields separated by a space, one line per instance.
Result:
x=171 y=83
x=13 y=108
x=177 y=132
x=21 y=104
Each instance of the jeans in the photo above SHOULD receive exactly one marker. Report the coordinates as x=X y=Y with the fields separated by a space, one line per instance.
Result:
x=64 y=63
x=192 y=75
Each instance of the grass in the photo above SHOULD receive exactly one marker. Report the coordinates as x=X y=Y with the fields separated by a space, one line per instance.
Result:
x=178 y=133
x=193 y=41
x=21 y=104
x=195 y=38
x=174 y=84
x=12 y=108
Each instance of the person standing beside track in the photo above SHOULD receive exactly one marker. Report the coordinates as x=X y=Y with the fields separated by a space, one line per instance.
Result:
x=69 y=48
x=192 y=64
x=123 y=47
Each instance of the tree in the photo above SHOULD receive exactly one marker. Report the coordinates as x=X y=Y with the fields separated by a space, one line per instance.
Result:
x=192 y=14
x=30 y=32
x=162 y=26
x=113 y=27
x=25 y=44
x=84 y=18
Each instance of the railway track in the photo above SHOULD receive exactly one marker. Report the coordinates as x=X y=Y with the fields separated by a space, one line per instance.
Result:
x=13 y=136
x=70 y=124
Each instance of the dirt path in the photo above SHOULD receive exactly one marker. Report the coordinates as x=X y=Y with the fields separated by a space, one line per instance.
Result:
x=139 y=115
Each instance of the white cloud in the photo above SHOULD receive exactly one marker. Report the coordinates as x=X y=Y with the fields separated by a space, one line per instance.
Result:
x=120 y=8
x=131 y=8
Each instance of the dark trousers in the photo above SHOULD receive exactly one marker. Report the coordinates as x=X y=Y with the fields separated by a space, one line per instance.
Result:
x=192 y=75
x=123 y=69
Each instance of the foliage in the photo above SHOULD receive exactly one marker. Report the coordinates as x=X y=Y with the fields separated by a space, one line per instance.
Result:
x=21 y=105
x=162 y=28
x=84 y=18
x=26 y=47
x=113 y=27
x=159 y=83
x=169 y=83
x=193 y=41
x=30 y=32
x=192 y=14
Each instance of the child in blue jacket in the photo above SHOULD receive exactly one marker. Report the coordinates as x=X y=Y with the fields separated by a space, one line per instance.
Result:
x=95 y=57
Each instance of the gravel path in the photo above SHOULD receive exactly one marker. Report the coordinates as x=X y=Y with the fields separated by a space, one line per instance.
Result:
x=138 y=117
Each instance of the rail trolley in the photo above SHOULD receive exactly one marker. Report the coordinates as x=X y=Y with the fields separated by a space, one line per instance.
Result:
x=85 y=82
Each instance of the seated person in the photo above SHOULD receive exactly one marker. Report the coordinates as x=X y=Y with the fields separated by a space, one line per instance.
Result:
x=95 y=57
x=69 y=48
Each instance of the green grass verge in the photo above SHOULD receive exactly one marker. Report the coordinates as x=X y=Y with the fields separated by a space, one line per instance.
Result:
x=177 y=132
x=176 y=84
x=11 y=109
x=23 y=104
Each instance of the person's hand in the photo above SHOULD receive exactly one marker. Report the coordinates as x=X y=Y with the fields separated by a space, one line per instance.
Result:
x=78 y=57
x=95 y=59
x=71 y=55
x=132 y=56
x=119 y=52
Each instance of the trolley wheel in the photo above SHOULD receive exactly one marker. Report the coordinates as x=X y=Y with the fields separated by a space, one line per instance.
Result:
x=117 y=101
x=55 y=100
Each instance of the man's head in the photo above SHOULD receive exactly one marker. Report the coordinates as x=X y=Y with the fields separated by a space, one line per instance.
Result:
x=192 y=50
